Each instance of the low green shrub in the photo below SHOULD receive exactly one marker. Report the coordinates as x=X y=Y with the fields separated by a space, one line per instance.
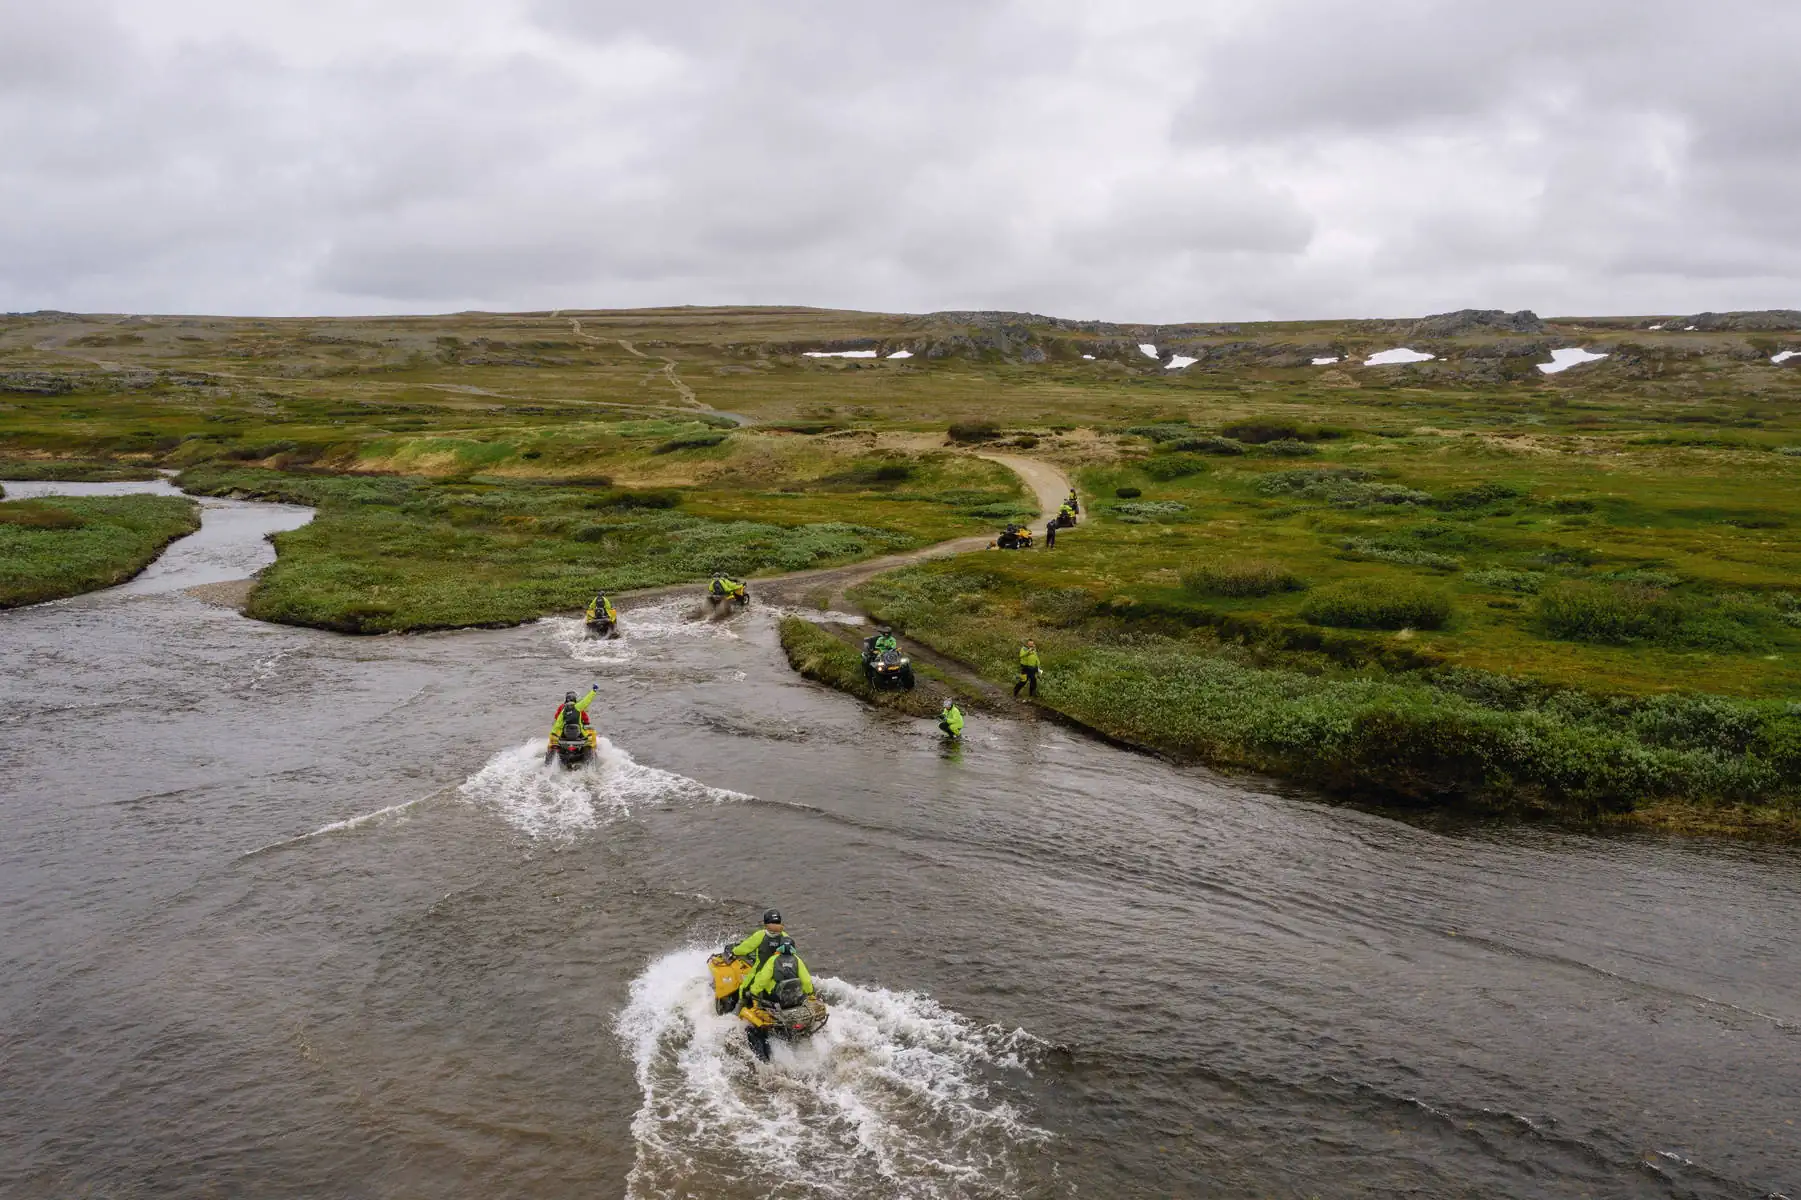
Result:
x=1631 y=613
x=35 y=514
x=689 y=441
x=1163 y=432
x=1522 y=583
x=1208 y=445
x=1150 y=508
x=1385 y=550
x=1289 y=448
x=1241 y=577
x=1165 y=467
x=73 y=470
x=1128 y=493
x=1344 y=487
x=1256 y=431
x=1377 y=604
x=1480 y=496
x=974 y=431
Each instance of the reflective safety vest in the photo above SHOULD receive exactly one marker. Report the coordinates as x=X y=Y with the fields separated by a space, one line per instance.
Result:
x=784 y=978
x=1028 y=657
x=952 y=720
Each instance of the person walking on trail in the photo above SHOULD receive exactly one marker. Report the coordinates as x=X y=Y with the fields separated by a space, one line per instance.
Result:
x=950 y=721
x=1028 y=669
x=1050 y=534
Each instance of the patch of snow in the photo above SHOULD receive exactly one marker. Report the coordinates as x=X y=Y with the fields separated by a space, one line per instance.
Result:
x=1148 y=350
x=1389 y=358
x=1327 y=361
x=1570 y=356
x=1178 y=361
x=1658 y=326
x=1785 y=356
x=1089 y=357
x=1688 y=329
x=839 y=353
x=901 y=354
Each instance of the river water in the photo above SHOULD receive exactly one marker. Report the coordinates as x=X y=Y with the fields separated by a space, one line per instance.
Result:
x=284 y=913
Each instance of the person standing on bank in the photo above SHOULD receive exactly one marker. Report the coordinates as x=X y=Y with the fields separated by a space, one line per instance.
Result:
x=1050 y=534
x=1028 y=669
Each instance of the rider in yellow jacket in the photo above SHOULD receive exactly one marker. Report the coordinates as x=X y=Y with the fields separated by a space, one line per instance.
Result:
x=762 y=982
x=577 y=708
x=601 y=606
x=761 y=943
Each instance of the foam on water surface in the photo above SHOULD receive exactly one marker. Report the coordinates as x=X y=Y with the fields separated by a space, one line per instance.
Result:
x=547 y=800
x=671 y=619
x=896 y=1096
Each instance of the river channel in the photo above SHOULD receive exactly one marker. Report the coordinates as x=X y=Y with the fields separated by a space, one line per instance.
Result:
x=290 y=914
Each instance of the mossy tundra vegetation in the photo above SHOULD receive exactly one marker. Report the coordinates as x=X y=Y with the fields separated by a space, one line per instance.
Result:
x=62 y=546
x=1459 y=582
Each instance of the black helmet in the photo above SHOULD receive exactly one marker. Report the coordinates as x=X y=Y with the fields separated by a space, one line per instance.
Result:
x=569 y=697
x=773 y=917
x=885 y=629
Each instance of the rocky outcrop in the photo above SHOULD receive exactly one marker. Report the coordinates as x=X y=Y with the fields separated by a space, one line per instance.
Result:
x=1768 y=320
x=1476 y=320
x=36 y=383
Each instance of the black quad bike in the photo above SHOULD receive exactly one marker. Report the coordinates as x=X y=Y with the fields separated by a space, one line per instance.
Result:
x=1014 y=537
x=888 y=669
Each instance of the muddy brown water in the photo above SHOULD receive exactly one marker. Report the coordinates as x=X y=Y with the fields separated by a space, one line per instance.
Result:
x=284 y=913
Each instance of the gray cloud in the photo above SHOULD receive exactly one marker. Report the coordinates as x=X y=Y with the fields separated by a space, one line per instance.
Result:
x=1156 y=159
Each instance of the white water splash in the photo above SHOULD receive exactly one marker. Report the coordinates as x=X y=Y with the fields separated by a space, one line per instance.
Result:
x=551 y=801
x=671 y=619
x=894 y=1097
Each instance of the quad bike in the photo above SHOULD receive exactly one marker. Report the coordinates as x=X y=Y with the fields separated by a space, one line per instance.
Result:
x=574 y=746
x=766 y=1017
x=1014 y=537
x=890 y=668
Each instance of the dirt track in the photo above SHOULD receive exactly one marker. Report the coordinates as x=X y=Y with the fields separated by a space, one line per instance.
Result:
x=1048 y=484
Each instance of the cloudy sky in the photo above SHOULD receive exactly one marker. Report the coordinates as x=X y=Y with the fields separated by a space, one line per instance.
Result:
x=1125 y=159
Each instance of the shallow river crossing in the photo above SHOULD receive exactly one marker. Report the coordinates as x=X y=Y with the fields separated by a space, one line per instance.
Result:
x=284 y=913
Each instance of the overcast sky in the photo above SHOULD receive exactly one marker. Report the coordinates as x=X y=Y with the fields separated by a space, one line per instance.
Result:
x=1122 y=159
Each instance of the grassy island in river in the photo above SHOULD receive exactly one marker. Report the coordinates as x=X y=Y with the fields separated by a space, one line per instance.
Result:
x=1459 y=581
x=65 y=545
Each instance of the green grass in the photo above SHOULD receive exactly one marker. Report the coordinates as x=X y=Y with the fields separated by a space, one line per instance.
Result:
x=1425 y=737
x=1378 y=604
x=64 y=546
x=74 y=470
x=401 y=553
x=817 y=654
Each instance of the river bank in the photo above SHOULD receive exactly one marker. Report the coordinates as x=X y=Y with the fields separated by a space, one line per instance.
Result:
x=53 y=547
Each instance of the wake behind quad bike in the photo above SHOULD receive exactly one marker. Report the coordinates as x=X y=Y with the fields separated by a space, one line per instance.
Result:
x=890 y=669
x=764 y=1020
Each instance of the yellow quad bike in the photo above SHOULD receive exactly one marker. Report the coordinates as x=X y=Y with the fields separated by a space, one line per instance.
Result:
x=762 y=1022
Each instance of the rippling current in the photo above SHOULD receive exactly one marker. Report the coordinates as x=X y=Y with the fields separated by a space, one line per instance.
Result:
x=284 y=913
